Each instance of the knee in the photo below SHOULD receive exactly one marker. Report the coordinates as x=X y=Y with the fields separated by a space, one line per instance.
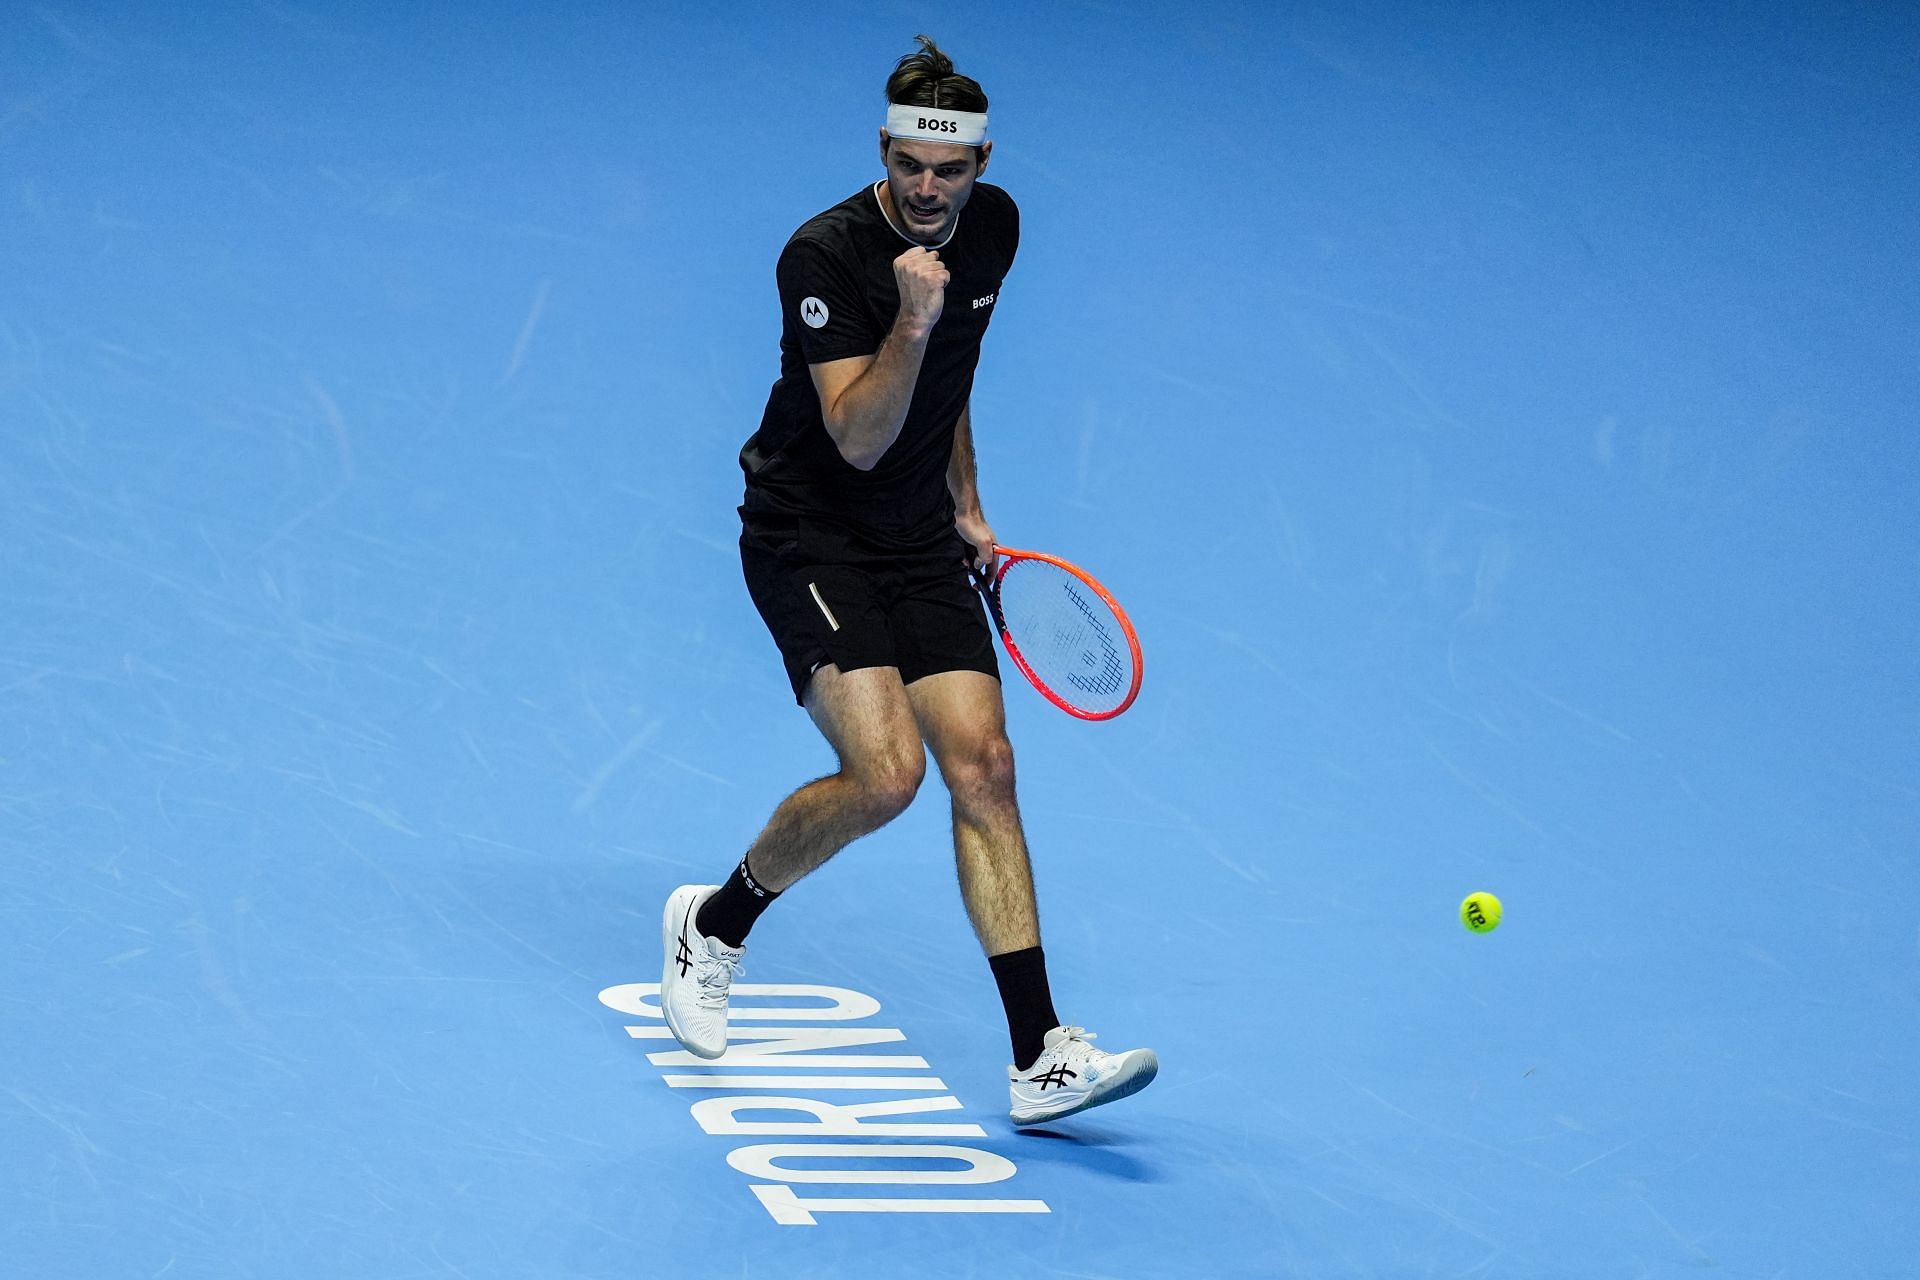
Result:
x=982 y=776
x=889 y=782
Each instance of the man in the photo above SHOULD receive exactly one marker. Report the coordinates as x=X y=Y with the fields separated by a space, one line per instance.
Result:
x=860 y=517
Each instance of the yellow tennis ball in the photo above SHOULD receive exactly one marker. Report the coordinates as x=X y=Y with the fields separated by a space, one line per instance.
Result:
x=1480 y=912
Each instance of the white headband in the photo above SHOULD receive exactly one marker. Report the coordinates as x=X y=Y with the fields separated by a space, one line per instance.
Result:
x=936 y=124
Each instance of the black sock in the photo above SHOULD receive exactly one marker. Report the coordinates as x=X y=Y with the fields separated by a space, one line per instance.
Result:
x=1022 y=977
x=729 y=914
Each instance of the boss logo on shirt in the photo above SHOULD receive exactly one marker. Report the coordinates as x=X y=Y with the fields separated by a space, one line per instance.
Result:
x=939 y=126
x=813 y=311
x=984 y=302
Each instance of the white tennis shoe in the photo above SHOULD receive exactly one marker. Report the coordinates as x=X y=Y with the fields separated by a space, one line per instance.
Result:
x=696 y=976
x=1071 y=1075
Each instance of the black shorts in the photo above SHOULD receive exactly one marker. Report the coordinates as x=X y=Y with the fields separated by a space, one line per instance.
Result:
x=828 y=595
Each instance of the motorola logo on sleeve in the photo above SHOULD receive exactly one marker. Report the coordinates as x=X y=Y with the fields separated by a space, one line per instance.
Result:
x=814 y=312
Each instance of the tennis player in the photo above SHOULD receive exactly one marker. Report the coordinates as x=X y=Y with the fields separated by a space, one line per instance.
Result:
x=860 y=517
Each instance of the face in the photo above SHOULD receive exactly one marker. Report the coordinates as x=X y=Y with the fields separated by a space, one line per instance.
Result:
x=928 y=183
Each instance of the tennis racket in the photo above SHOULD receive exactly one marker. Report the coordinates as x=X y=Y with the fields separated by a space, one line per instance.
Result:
x=1066 y=633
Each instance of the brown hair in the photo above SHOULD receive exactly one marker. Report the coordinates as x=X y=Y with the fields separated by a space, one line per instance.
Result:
x=927 y=79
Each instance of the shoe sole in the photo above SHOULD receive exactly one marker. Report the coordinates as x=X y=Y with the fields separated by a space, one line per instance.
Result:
x=1129 y=1082
x=677 y=907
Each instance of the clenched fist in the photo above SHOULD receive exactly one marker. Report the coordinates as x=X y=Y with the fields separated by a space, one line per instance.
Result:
x=923 y=288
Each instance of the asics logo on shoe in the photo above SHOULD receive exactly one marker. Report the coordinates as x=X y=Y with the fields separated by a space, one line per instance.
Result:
x=1055 y=1077
x=684 y=957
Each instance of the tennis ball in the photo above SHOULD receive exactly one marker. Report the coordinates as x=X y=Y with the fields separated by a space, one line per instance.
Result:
x=1480 y=912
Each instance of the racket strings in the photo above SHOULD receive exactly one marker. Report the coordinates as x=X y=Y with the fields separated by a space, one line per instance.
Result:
x=1067 y=635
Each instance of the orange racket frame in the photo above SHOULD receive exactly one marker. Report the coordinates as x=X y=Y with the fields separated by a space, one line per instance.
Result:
x=990 y=588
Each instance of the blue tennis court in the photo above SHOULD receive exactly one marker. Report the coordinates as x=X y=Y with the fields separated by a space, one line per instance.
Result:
x=1498 y=420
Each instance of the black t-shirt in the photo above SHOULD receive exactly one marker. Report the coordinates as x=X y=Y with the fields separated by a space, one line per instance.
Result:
x=838 y=299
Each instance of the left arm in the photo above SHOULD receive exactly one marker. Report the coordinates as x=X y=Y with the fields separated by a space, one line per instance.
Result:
x=963 y=483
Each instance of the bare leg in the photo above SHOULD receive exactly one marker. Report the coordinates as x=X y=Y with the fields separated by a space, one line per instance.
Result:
x=865 y=715
x=867 y=719
x=962 y=717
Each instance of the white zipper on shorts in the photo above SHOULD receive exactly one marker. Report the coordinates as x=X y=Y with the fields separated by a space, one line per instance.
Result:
x=831 y=620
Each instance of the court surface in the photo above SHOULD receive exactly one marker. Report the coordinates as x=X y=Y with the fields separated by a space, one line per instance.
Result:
x=1499 y=421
